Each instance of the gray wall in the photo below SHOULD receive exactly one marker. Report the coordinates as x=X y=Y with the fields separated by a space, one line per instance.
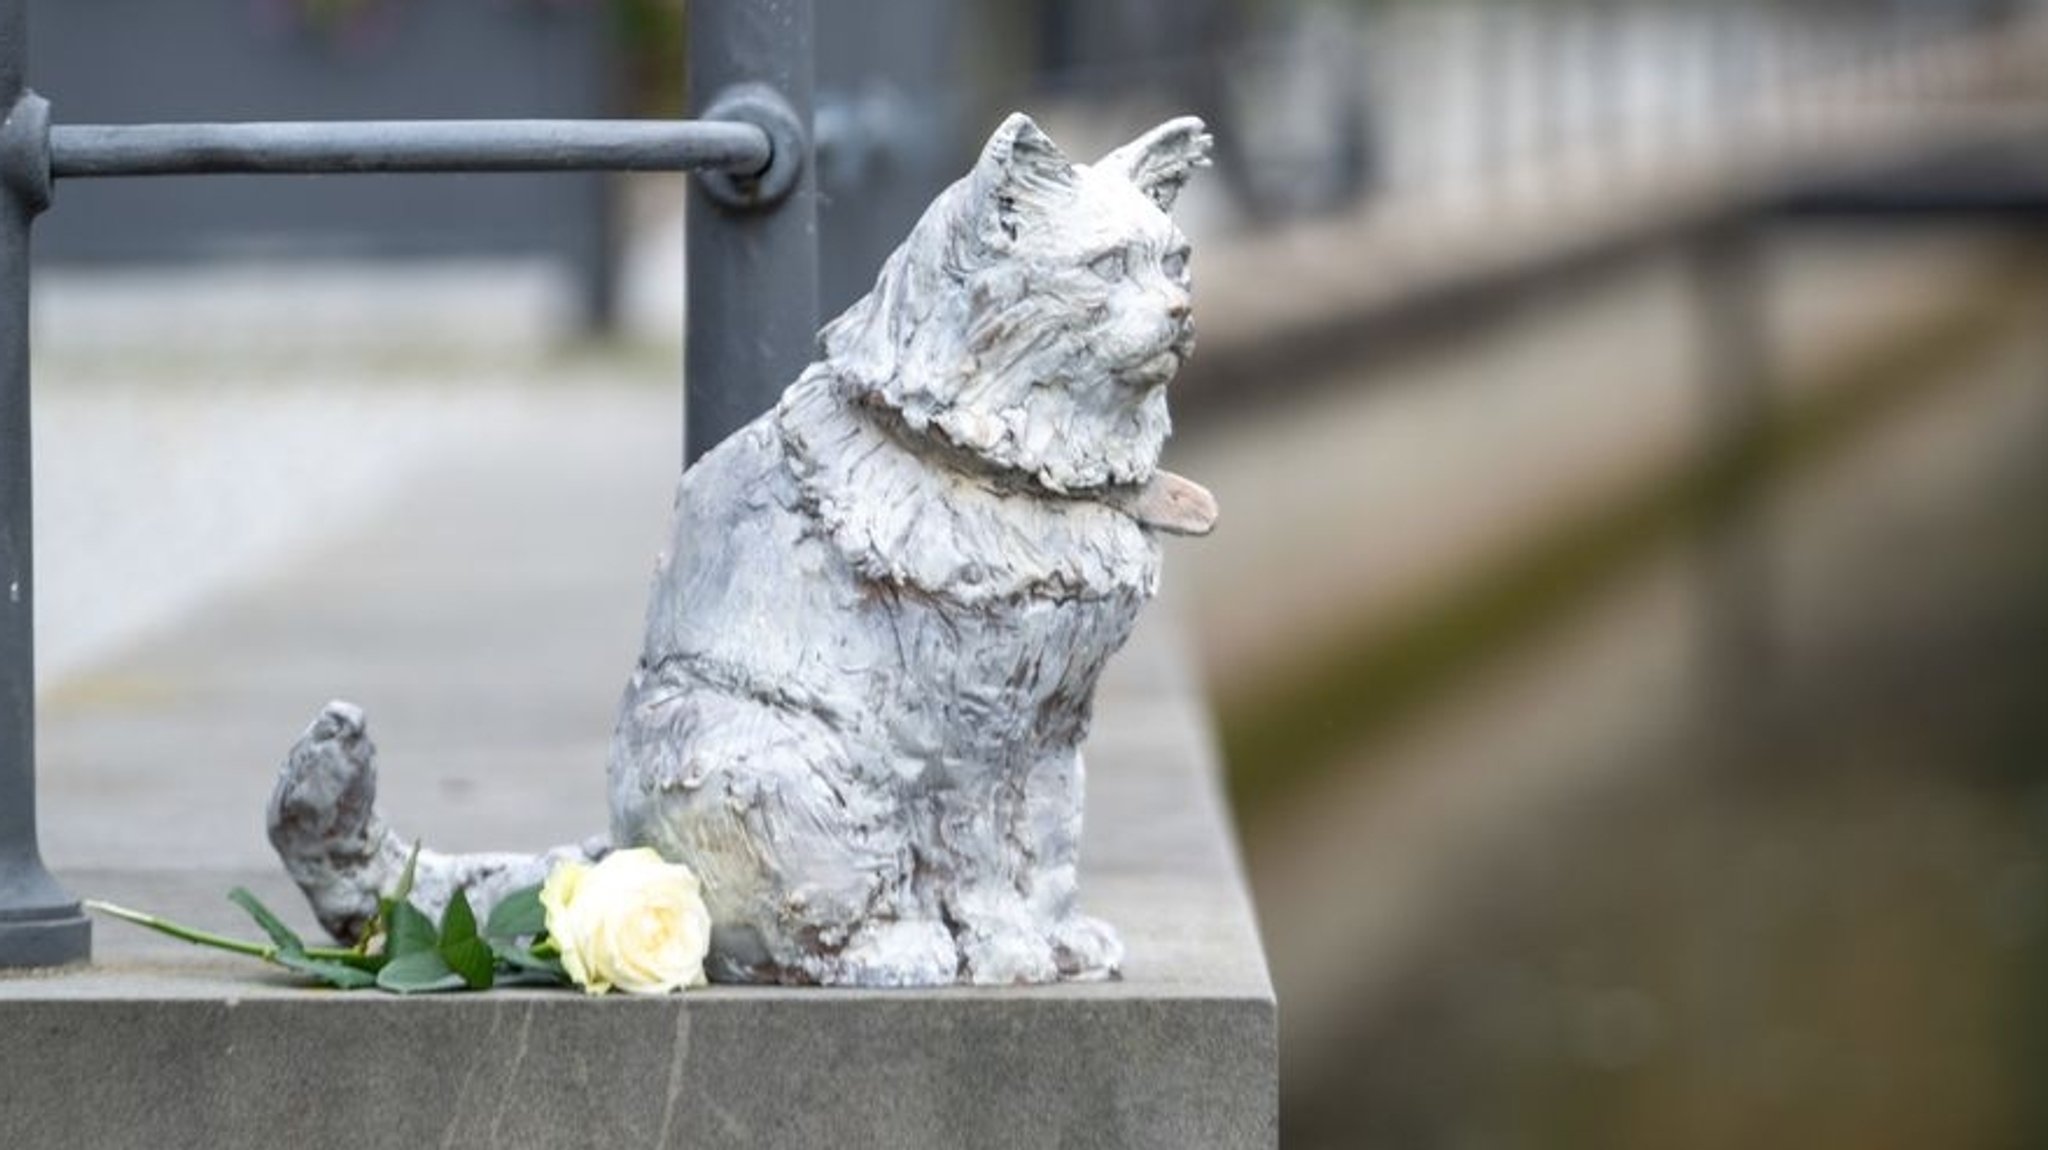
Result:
x=147 y=60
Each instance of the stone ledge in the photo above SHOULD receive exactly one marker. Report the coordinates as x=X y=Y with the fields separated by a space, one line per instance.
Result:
x=163 y=1045
x=150 y=1061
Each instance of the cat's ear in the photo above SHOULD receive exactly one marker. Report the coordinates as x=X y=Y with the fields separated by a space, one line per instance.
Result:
x=1160 y=161
x=1022 y=173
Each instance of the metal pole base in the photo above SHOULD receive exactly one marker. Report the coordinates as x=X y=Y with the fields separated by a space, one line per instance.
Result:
x=62 y=936
x=40 y=923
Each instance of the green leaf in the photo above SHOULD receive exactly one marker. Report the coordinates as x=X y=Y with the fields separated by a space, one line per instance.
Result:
x=472 y=959
x=372 y=930
x=400 y=893
x=517 y=915
x=287 y=941
x=420 y=972
x=378 y=926
x=403 y=891
x=458 y=921
x=411 y=932
x=521 y=959
x=531 y=978
x=352 y=958
x=465 y=953
x=340 y=975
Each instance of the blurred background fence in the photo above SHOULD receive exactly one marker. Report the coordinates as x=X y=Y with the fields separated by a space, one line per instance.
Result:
x=1627 y=628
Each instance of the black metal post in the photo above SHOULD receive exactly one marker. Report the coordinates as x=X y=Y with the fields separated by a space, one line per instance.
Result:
x=751 y=254
x=889 y=79
x=40 y=925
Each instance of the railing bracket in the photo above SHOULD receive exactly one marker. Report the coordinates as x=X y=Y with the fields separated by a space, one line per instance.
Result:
x=25 y=150
x=788 y=147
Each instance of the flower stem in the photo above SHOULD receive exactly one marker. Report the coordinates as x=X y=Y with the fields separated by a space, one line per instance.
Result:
x=217 y=941
x=178 y=930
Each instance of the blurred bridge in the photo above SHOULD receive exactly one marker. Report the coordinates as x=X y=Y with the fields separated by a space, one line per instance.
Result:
x=1430 y=157
x=1619 y=534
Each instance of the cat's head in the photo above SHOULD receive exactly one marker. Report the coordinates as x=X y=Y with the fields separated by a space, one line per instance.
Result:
x=1035 y=314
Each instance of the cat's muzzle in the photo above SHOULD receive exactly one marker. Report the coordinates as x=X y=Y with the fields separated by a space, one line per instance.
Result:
x=1151 y=372
x=1160 y=367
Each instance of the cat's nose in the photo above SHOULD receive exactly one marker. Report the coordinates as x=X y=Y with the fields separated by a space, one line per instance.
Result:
x=1178 y=311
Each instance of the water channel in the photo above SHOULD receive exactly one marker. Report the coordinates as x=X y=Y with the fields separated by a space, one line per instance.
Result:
x=1736 y=832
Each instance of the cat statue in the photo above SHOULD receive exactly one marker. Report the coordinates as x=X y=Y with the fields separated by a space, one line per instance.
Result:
x=873 y=643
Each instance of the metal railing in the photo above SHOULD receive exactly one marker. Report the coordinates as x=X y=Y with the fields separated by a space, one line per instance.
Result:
x=751 y=258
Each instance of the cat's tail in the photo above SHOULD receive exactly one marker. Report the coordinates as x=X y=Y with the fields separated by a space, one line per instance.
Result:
x=335 y=844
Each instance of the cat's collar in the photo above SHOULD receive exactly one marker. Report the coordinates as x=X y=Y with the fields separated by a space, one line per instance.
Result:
x=1166 y=502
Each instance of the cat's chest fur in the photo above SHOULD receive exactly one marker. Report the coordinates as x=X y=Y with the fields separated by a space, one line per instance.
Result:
x=821 y=563
x=993 y=610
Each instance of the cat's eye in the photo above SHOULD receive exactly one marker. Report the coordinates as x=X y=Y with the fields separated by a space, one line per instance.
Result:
x=1110 y=265
x=1175 y=265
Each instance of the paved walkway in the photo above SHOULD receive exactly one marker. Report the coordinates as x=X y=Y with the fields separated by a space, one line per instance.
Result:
x=468 y=563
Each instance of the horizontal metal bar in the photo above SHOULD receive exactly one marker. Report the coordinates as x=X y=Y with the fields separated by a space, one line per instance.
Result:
x=405 y=146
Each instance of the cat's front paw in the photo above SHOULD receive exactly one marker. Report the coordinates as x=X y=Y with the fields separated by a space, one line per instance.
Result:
x=1087 y=949
x=909 y=952
x=1003 y=949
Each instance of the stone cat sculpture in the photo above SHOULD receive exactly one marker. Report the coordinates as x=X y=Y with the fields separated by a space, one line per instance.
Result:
x=873 y=644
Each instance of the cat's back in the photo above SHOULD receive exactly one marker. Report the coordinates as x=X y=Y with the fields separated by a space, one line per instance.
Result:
x=744 y=566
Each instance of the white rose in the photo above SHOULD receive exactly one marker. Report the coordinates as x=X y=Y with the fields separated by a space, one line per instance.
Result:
x=633 y=921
